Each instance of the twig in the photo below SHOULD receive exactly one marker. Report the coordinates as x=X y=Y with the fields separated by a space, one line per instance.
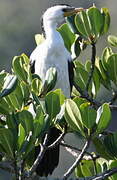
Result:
x=73 y=148
x=78 y=160
x=84 y=94
x=58 y=140
x=92 y=66
x=104 y=175
x=43 y=149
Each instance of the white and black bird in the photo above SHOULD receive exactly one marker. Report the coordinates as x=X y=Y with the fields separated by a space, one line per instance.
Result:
x=53 y=53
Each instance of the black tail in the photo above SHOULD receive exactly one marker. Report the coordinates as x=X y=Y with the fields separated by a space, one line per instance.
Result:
x=50 y=159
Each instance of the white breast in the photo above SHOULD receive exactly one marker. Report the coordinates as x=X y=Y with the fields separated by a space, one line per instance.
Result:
x=55 y=55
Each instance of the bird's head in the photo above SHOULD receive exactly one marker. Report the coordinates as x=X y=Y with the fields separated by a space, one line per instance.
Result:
x=56 y=14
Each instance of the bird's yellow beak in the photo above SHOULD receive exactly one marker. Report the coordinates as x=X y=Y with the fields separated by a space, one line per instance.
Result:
x=72 y=12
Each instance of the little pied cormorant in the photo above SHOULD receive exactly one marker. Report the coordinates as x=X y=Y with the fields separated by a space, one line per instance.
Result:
x=53 y=53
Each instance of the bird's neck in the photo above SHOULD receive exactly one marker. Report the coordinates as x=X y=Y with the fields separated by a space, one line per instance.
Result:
x=52 y=35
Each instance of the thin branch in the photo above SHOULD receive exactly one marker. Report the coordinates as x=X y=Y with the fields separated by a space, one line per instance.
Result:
x=78 y=160
x=73 y=148
x=84 y=94
x=92 y=66
x=104 y=175
x=43 y=149
x=58 y=140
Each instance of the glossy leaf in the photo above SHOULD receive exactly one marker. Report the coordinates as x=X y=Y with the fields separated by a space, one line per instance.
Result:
x=36 y=86
x=100 y=148
x=96 y=20
x=71 y=23
x=67 y=36
x=113 y=164
x=110 y=143
x=103 y=117
x=103 y=75
x=52 y=102
x=96 y=77
x=80 y=24
x=21 y=136
x=81 y=77
x=38 y=121
x=7 y=141
x=3 y=75
x=25 y=91
x=26 y=120
x=112 y=68
x=107 y=52
x=88 y=116
x=50 y=81
x=88 y=167
x=106 y=16
x=112 y=40
x=4 y=107
x=73 y=116
x=9 y=85
x=21 y=68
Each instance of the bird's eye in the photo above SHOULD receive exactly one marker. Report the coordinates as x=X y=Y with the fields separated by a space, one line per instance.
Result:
x=68 y=9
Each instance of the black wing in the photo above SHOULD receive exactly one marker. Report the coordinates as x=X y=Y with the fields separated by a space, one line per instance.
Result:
x=50 y=159
x=32 y=66
x=71 y=73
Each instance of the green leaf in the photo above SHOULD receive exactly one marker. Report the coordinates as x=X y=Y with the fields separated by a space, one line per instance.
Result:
x=67 y=36
x=79 y=21
x=113 y=164
x=71 y=23
x=11 y=122
x=112 y=40
x=88 y=168
x=38 y=121
x=81 y=77
x=50 y=81
x=21 y=136
x=106 y=16
x=9 y=85
x=112 y=68
x=25 y=91
x=21 y=68
x=107 y=52
x=39 y=39
x=96 y=20
x=110 y=143
x=100 y=148
x=37 y=86
x=16 y=98
x=3 y=75
x=88 y=116
x=103 y=117
x=4 y=107
x=79 y=101
x=76 y=47
x=96 y=77
x=73 y=116
x=52 y=102
x=103 y=75
x=26 y=120
x=7 y=141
